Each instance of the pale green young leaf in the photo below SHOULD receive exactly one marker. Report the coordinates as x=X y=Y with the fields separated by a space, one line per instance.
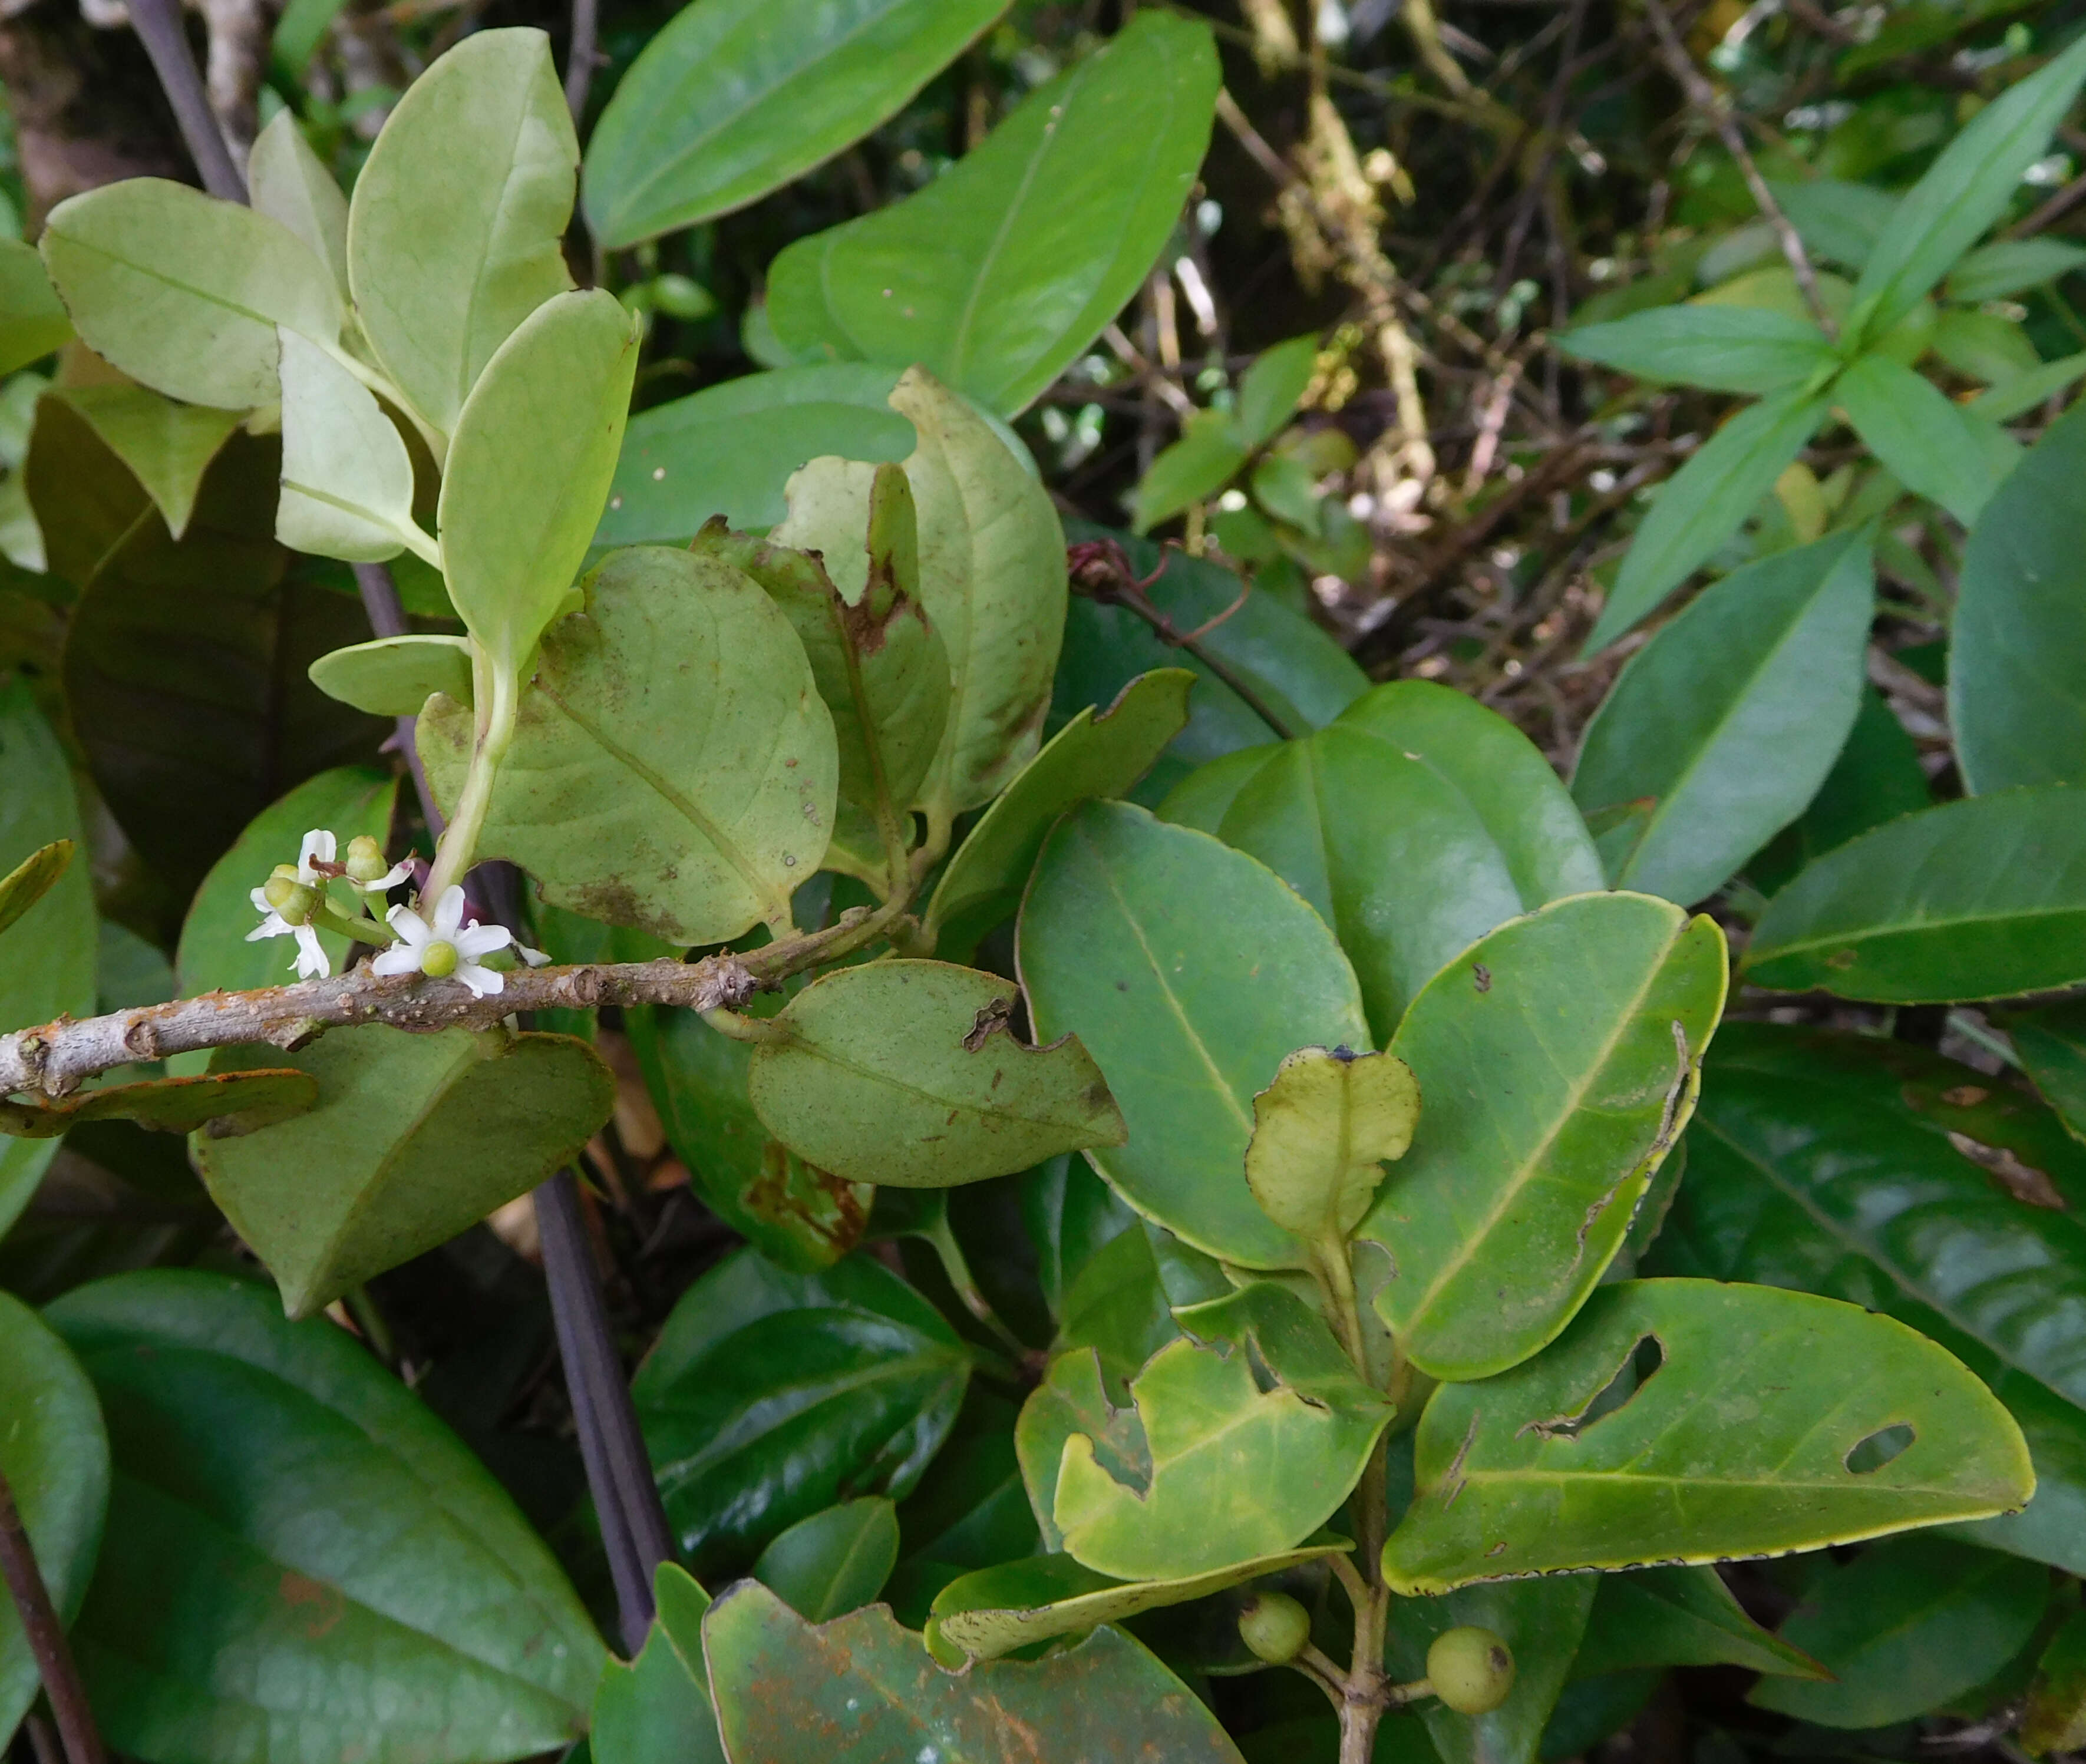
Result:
x=167 y=447
x=55 y=1454
x=2010 y=266
x=1769 y=660
x=1559 y=1060
x=1704 y=503
x=732 y=100
x=2001 y=403
x=1723 y=348
x=347 y=480
x=1236 y=1470
x=32 y=318
x=1095 y=754
x=288 y=182
x=396 y=676
x=1965 y=189
x=184 y=292
x=908 y=1074
x=656 y=1709
x=529 y=466
x=1984 y=346
x=414 y=1138
x=638 y=799
x=1270 y=390
x=453 y=230
x=1321 y=1133
x=998 y=273
x=835 y=1562
x=1927 y=441
x=1208 y=455
x=29 y=881
x=1725 y=1435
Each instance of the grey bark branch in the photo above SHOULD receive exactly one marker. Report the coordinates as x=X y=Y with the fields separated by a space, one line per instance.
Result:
x=158 y=23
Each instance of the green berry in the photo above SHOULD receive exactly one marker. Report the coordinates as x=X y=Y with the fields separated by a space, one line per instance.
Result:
x=1274 y=1627
x=1471 y=1669
x=366 y=859
x=438 y=960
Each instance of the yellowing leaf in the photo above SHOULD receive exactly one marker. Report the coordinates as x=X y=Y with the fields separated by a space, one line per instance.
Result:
x=1321 y=1132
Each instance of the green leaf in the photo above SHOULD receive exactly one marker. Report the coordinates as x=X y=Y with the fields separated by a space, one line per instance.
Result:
x=1983 y=898
x=185 y=670
x=1984 y=346
x=1191 y=470
x=1838 y=221
x=739 y=442
x=347 y=480
x=2055 y=1718
x=1018 y=1604
x=1537 y=1461
x=184 y=291
x=29 y=881
x=1680 y=1617
x=54 y=1453
x=1080 y=1394
x=527 y=474
x=771 y=1397
x=1093 y=756
x=729 y=102
x=863 y=1691
x=1540 y=1620
x=1723 y=347
x=908 y=1074
x=1965 y=189
x=2051 y=1043
x=1877 y=778
x=656 y=1709
x=415 y=1138
x=1116 y=947
x=1415 y=821
x=1557 y=1062
x=1218 y=1468
x=47 y=963
x=997 y=275
x=396 y=676
x=833 y=1562
x=453 y=232
x=1769 y=660
x=2018 y=396
x=2019 y=714
x=800 y=1217
x=33 y=318
x=1321 y=1133
x=434 y=1627
x=1271 y=389
x=214 y=954
x=2011 y=266
x=167 y=447
x=1811 y=1167
x=1704 y=503
x=1908 y=1627
x=992 y=576
x=288 y=183
x=1118 y=1307
x=1931 y=445
x=233 y=1102
x=631 y=798
x=1069 y=1214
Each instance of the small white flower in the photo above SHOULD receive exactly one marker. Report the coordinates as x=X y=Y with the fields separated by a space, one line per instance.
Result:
x=311 y=955
x=320 y=844
x=534 y=958
x=448 y=947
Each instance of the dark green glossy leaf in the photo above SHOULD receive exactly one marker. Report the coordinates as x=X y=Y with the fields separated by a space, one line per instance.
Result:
x=862 y=1690
x=228 y=1104
x=771 y=1397
x=1743 y=1441
x=969 y=1511
x=1876 y=778
x=1703 y=503
x=1557 y=1060
x=55 y=1454
x=997 y=275
x=1984 y=898
x=729 y=102
x=1070 y=1213
x=1541 y=1621
x=1769 y=660
x=908 y=1074
x=656 y=1709
x=833 y=1562
x=1093 y=755
x=1725 y=348
x=1931 y=444
x=1680 y=1617
x=1188 y=1028
x=415 y=1137
x=287 y=1502
x=1119 y=1307
x=2051 y=1042
x=2017 y=708
x=1909 y=1625
x=1415 y=821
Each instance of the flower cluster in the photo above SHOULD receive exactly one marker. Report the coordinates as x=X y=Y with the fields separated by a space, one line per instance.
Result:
x=448 y=948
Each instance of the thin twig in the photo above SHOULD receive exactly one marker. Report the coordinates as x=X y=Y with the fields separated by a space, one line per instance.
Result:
x=158 y=23
x=47 y=1636
x=580 y=57
x=2054 y=209
x=1705 y=98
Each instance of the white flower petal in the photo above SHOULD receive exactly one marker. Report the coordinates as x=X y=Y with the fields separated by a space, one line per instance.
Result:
x=448 y=913
x=399 y=959
x=412 y=930
x=273 y=926
x=259 y=897
x=311 y=954
x=388 y=881
x=482 y=981
x=477 y=940
x=318 y=843
x=534 y=958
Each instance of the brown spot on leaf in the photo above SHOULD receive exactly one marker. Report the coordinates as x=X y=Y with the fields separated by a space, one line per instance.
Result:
x=1964 y=1095
x=1482 y=976
x=318 y=1605
x=2026 y=1184
x=995 y=1017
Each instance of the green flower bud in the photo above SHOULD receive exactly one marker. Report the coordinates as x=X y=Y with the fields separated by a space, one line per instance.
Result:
x=1274 y=1627
x=1471 y=1669
x=366 y=859
x=438 y=961
x=294 y=903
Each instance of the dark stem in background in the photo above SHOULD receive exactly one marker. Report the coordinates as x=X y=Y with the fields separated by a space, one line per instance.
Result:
x=632 y=1521
x=580 y=56
x=47 y=1638
x=158 y=23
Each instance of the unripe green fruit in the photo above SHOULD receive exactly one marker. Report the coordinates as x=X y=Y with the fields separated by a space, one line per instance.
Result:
x=366 y=859
x=1471 y=1669
x=293 y=902
x=1274 y=1627
x=438 y=960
